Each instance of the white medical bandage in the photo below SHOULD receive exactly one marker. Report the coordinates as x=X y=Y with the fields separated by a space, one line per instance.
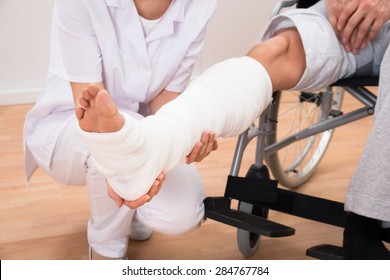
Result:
x=225 y=99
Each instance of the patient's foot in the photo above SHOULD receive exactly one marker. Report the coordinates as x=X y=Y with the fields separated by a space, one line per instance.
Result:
x=98 y=112
x=363 y=239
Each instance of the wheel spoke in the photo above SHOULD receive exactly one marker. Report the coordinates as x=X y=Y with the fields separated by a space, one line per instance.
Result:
x=296 y=162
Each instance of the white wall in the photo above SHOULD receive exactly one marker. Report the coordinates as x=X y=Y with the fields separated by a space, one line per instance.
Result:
x=24 y=48
x=236 y=26
x=25 y=29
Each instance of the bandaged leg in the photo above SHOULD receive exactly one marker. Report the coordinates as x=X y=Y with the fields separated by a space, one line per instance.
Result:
x=225 y=99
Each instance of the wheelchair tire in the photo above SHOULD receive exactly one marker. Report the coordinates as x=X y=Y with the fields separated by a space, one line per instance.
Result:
x=248 y=242
x=290 y=113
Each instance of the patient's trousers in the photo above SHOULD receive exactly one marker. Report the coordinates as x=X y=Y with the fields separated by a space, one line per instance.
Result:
x=369 y=191
x=327 y=62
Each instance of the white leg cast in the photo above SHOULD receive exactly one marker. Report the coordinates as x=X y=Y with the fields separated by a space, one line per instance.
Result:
x=225 y=99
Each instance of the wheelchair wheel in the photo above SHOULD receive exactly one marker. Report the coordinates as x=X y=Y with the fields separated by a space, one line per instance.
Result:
x=248 y=242
x=292 y=112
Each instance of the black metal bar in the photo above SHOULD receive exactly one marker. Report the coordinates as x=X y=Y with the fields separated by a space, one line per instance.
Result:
x=308 y=207
x=251 y=189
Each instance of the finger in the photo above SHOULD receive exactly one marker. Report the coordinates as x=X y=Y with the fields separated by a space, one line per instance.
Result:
x=118 y=200
x=215 y=145
x=362 y=32
x=194 y=153
x=374 y=29
x=353 y=38
x=154 y=189
x=205 y=138
x=210 y=143
x=365 y=43
x=351 y=25
x=209 y=147
x=161 y=177
x=333 y=21
x=357 y=47
x=339 y=35
x=137 y=203
x=349 y=29
x=346 y=14
x=113 y=195
x=347 y=46
x=157 y=184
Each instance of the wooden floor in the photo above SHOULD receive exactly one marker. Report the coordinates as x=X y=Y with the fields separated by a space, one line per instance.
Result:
x=48 y=220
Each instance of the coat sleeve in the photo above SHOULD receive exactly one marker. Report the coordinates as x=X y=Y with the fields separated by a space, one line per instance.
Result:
x=76 y=42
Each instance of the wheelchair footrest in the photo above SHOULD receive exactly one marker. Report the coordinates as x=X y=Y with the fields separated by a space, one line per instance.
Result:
x=219 y=209
x=326 y=252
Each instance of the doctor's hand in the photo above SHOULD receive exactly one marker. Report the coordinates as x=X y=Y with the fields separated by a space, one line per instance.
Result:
x=203 y=148
x=357 y=22
x=140 y=201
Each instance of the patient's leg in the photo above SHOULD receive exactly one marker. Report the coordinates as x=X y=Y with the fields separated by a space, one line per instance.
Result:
x=225 y=99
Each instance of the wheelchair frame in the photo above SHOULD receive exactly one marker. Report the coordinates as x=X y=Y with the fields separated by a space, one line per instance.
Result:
x=257 y=193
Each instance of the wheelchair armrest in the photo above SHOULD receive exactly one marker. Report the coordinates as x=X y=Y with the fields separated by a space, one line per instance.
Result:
x=357 y=82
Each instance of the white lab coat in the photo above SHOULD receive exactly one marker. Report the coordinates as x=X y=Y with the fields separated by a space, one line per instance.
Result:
x=103 y=40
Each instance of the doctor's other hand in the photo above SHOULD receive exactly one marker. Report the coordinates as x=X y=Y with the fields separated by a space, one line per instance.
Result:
x=203 y=148
x=156 y=187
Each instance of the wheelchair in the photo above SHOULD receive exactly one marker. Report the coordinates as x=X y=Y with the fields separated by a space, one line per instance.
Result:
x=292 y=136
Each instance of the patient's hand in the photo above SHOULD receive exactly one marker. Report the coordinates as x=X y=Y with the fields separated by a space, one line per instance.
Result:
x=356 y=22
x=203 y=148
x=334 y=9
x=140 y=201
